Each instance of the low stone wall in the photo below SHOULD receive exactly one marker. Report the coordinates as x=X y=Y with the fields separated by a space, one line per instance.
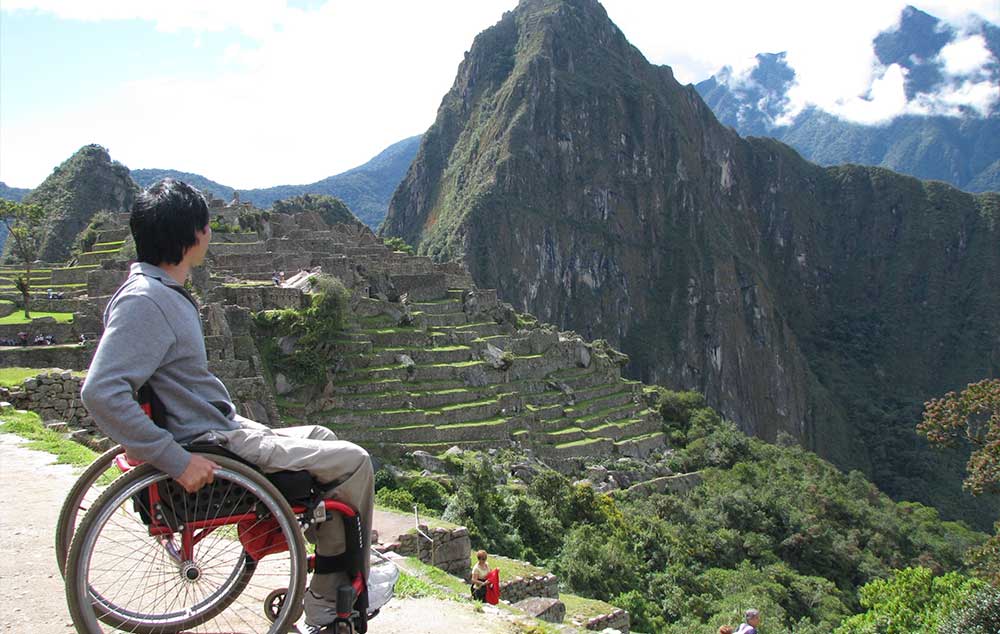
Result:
x=617 y=620
x=72 y=357
x=258 y=298
x=104 y=281
x=449 y=552
x=72 y=275
x=61 y=332
x=53 y=396
x=520 y=588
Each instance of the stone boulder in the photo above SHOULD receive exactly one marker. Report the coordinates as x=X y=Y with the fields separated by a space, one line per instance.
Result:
x=546 y=609
x=426 y=461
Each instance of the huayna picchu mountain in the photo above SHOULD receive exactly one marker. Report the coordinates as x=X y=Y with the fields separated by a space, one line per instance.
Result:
x=593 y=190
x=85 y=183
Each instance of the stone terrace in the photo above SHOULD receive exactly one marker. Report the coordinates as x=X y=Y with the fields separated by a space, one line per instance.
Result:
x=429 y=361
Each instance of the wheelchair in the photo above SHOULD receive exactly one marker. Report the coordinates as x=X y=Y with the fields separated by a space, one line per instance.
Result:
x=148 y=557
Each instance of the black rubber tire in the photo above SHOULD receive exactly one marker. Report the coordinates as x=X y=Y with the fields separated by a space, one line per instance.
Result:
x=84 y=603
x=66 y=524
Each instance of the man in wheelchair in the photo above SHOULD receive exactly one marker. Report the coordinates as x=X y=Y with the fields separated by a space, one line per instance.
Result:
x=153 y=336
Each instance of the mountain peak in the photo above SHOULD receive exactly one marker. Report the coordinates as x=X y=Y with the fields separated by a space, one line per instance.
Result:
x=87 y=182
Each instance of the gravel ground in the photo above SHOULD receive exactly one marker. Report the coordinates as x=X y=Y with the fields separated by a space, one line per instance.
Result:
x=32 y=599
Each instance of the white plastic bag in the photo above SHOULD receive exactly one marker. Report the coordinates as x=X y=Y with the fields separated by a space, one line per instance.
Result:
x=381 y=581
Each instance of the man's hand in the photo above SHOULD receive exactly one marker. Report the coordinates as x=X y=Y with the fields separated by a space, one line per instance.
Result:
x=200 y=471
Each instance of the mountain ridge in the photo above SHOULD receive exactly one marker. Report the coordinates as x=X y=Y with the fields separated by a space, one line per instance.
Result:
x=366 y=189
x=962 y=150
x=593 y=190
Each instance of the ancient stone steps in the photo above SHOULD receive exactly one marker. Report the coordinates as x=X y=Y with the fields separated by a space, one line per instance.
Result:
x=436 y=320
x=441 y=306
x=577 y=448
x=96 y=257
x=113 y=235
x=219 y=237
x=589 y=406
x=641 y=446
x=419 y=399
x=394 y=337
x=470 y=332
x=445 y=354
x=216 y=249
x=620 y=412
x=497 y=428
x=454 y=413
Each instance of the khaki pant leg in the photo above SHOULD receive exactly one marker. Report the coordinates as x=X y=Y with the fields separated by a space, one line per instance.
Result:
x=341 y=464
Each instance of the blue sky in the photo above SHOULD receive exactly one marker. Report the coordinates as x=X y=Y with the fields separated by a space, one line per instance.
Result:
x=262 y=92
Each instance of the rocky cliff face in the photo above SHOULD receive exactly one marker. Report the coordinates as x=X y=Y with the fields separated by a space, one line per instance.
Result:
x=87 y=182
x=594 y=191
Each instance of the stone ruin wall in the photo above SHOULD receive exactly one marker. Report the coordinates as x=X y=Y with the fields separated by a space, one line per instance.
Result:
x=449 y=550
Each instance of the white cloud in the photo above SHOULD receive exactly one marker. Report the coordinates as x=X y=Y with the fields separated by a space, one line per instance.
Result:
x=885 y=100
x=322 y=89
x=255 y=18
x=965 y=56
x=321 y=92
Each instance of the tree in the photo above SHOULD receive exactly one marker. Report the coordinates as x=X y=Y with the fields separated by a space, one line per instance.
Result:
x=973 y=415
x=24 y=224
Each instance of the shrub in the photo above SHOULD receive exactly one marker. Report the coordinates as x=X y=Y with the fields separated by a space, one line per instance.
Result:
x=384 y=480
x=399 y=499
x=428 y=492
x=978 y=614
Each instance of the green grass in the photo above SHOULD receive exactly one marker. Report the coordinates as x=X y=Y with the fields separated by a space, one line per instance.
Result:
x=509 y=568
x=17 y=317
x=10 y=377
x=99 y=246
x=29 y=426
x=582 y=607
x=579 y=443
x=426 y=580
x=101 y=251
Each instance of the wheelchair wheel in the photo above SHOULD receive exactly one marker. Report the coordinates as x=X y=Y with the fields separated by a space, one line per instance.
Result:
x=120 y=578
x=80 y=497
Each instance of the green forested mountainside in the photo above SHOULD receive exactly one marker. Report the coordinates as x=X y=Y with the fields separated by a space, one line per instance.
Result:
x=770 y=526
x=963 y=151
x=366 y=189
x=332 y=210
x=146 y=177
x=87 y=182
x=594 y=191
x=13 y=193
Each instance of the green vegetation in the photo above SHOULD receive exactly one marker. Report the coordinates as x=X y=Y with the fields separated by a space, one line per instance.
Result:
x=29 y=426
x=771 y=526
x=398 y=244
x=314 y=327
x=19 y=318
x=23 y=222
x=912 y=600
x=87 y=239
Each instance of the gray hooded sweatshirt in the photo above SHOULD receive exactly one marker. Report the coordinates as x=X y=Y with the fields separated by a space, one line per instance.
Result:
x=152 y=333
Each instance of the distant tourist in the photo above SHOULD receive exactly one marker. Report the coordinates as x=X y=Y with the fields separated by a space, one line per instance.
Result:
x=50 y=294
x=480 y=577
x=752 y=621
x=276 y=279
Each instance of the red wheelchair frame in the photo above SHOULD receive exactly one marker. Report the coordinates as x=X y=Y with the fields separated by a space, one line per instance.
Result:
x=260 y=540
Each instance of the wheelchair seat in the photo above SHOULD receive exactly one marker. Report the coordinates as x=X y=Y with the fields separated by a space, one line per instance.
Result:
x=298 y=487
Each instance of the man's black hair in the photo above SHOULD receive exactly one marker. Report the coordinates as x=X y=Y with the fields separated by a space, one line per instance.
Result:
x=164 y=220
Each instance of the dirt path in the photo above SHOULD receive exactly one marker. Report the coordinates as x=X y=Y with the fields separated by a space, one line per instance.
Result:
x=32 y=599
